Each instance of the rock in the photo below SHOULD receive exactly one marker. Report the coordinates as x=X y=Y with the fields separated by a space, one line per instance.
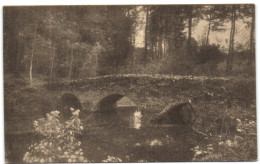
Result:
x=176 y=113
x=239 y=138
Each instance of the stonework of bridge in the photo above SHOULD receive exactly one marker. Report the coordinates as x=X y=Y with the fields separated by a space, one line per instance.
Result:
x=156 y=91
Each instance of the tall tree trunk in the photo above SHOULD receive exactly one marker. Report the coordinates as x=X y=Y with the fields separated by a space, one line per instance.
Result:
x=71 y=64
x=189 y=30
x=160 y=46
x=146 y=33
x=169 y=47
x=52 y=62
x=160 y=35
x=31 y=61
x=207 y=39
x=164 y=47
x=252 y=43
x=229 y=50
x=156 y=50
x=54 y=54
x=232 y=50
x=231 y=43
x=72 y=58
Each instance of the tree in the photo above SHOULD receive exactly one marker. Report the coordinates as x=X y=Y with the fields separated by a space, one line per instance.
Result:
x=215 y=17
x=119 y=24
x=233 y=16
x=252 y=43
x=33 y=51
x=13 y=46
x=249 y=12
x=146 y=31
x=166 y=29
x=193 y=14
x=190 y=16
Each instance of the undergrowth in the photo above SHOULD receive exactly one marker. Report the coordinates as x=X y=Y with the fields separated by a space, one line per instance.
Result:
x=231 y=136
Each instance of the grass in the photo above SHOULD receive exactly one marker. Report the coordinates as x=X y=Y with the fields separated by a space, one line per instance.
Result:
x=230 y=131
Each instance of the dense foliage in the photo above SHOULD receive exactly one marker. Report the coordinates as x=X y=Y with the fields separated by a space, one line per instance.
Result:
x=67 y=42
x=83 y=41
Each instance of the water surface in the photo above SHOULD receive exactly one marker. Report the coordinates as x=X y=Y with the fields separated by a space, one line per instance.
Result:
x=126 y=134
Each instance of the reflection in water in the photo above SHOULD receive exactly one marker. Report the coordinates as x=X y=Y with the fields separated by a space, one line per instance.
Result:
x=130 y=115
x=125 y=134
x=135 y=120
x=155 y=142
x=129 y=112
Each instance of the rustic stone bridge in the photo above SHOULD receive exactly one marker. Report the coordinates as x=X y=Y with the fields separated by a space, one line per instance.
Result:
x=146 y=91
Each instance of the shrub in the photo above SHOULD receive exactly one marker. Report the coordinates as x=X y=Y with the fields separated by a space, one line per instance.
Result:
x=208 y=53
x=210 y=56
x=59 y=144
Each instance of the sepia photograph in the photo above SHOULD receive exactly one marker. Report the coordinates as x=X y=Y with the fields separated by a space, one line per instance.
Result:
x=129 y=83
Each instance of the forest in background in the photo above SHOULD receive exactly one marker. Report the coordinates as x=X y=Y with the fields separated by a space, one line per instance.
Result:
x=71 y=42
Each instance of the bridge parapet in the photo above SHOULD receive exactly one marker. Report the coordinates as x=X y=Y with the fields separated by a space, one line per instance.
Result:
x=155 y=91
x=131 y=78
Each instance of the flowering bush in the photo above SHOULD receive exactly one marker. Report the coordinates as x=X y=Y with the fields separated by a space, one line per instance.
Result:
x=202 y=152
x=60 y=144
x=112 y=159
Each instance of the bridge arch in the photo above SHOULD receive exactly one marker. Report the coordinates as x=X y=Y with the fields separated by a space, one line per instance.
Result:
x=69 y=99
x=108 y=103
x=66 y=101
x=116 y=108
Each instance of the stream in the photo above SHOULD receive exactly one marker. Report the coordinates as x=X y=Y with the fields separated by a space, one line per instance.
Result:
x=127 y=135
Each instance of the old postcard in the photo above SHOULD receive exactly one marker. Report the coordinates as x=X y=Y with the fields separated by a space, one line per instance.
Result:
x=129 y=83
